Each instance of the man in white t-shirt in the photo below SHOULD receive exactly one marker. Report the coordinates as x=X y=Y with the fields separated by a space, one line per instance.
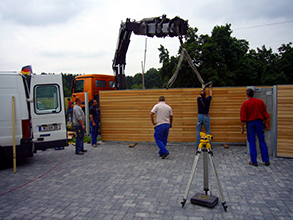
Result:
x=164 y=123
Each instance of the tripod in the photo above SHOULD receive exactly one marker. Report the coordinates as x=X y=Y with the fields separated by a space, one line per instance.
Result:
x=205 y=147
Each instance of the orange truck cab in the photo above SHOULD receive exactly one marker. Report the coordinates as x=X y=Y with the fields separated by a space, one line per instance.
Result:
x=92 y=84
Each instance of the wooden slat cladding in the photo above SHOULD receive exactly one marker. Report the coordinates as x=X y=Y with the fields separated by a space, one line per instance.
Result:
x=285 y=121
x=125 y=114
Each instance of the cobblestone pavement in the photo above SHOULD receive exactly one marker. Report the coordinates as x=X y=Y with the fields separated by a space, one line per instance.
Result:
x=114 y=181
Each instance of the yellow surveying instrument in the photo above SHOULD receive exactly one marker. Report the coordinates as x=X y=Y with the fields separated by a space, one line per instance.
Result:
x=205 y=199
x=205 y=141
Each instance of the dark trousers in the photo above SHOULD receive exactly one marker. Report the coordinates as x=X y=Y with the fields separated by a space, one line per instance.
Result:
x=95 y=129
x=94 y=134
x=79 y=138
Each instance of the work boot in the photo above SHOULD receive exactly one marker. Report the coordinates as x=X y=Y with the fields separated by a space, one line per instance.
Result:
x=253 y=164
x=165 y=155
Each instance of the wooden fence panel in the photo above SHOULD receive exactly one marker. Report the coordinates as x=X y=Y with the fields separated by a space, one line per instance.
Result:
x=285 y=121
x=125 y=114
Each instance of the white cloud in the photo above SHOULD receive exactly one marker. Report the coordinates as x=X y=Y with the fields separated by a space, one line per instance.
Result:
x=80 y=36
x=40 y=12
x=245 y=10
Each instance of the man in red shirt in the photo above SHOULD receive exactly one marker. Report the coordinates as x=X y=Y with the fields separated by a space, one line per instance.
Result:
x=254 y=113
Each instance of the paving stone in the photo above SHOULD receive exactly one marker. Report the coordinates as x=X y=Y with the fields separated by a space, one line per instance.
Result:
x=114 y=181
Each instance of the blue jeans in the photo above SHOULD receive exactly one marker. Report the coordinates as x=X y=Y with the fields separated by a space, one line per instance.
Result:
x=79 y=138
x=257 y=127
x=161 y=137
x=204 y=120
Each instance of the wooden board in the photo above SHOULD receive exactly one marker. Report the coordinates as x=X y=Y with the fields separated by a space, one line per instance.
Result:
x=285 y=121
x=125 y=114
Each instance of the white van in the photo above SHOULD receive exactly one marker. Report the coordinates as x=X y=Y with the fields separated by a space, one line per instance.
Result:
x=39 y=114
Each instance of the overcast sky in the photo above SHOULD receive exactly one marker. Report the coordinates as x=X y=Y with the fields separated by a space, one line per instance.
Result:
x=80 y=36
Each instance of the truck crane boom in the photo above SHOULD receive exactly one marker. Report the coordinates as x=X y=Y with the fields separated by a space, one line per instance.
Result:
x=156 y=26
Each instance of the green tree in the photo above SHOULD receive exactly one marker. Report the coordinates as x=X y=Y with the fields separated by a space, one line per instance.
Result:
x=128 y=82
x=285 y=63
x=269 y=60
x=135 y=86
x=217 y=57
x=152 y=79
x=67 y=79
x=137 y=79
x=250 y=70
x=168 y=64
x=227 y=61
x=221 y=56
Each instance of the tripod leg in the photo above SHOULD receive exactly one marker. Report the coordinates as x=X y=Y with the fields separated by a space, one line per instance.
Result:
x=205 y=172
x=218 y=184
x=190 y=178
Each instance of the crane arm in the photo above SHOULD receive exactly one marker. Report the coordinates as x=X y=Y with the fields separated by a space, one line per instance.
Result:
x=156 y=26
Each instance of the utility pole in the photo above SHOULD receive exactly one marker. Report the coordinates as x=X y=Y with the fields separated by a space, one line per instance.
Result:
x=142 y=69
x=143 y=64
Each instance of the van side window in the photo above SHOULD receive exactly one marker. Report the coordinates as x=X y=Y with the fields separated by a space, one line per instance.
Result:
x=47 y=99
x=79 y=86
x=100 y=83
x=112 y=84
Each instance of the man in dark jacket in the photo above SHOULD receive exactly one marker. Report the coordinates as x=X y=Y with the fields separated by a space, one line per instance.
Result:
x=94 y=122
x=203 y=117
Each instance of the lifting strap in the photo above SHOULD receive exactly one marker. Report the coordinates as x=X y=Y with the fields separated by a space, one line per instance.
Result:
x=185 y=54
